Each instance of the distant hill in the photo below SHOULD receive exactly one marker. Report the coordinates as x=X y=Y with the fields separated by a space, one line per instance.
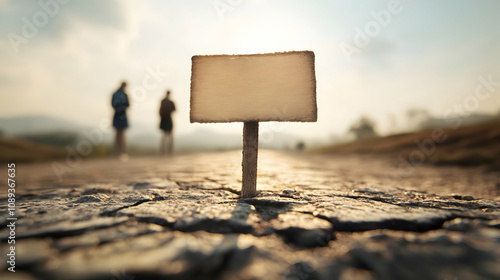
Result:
x=465 y=120
x=19 y=150
x=31 y=125
x=471 y=145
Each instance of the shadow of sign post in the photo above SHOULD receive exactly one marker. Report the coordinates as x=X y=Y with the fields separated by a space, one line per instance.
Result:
x=251 y=89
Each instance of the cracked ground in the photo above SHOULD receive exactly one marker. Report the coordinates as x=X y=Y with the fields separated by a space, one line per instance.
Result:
x=316 y=217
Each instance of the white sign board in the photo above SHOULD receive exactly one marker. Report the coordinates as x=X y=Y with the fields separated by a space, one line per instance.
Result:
x=257 y=87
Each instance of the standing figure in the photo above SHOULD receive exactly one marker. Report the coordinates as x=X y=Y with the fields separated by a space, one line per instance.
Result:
x=166 y=125
x=120 y=103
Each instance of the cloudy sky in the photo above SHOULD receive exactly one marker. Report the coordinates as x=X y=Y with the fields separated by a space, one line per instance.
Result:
x=377 y=58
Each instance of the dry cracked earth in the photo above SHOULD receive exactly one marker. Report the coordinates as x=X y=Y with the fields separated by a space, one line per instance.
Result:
x=316 y=217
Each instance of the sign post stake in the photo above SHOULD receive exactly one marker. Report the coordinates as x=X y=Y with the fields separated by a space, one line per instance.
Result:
x=250 y=154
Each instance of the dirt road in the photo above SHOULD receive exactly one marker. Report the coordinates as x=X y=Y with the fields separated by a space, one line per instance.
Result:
x=316 y=217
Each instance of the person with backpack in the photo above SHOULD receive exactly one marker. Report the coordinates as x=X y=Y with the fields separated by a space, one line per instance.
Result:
x=166 y=124
x=120 y=103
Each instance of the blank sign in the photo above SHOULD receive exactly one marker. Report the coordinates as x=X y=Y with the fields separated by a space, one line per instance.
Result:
x=257 y=87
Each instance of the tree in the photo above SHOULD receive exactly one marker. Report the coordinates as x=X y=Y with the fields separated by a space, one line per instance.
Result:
x=417 y=117
x=363 y=128
x=300 y=146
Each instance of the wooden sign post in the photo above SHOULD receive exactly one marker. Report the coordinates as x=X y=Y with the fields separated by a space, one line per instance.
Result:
x=251 y=89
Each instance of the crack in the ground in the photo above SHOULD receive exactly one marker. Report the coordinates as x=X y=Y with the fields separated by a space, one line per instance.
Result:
x=307 y=238
x=229 y=190
x=391 y=224
x=101 y=242
x=214 y=225
x=154 y=220
x=374 y=198
x=111 y=213
x=266 y=202
x=60 y=233
x=432 y=204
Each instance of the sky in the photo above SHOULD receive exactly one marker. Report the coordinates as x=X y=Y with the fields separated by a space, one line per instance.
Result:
x=64 y=58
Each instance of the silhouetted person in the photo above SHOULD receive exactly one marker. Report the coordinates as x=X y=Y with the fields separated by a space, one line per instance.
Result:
x=166 y=124
x=120 y=103
x=300 y=146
